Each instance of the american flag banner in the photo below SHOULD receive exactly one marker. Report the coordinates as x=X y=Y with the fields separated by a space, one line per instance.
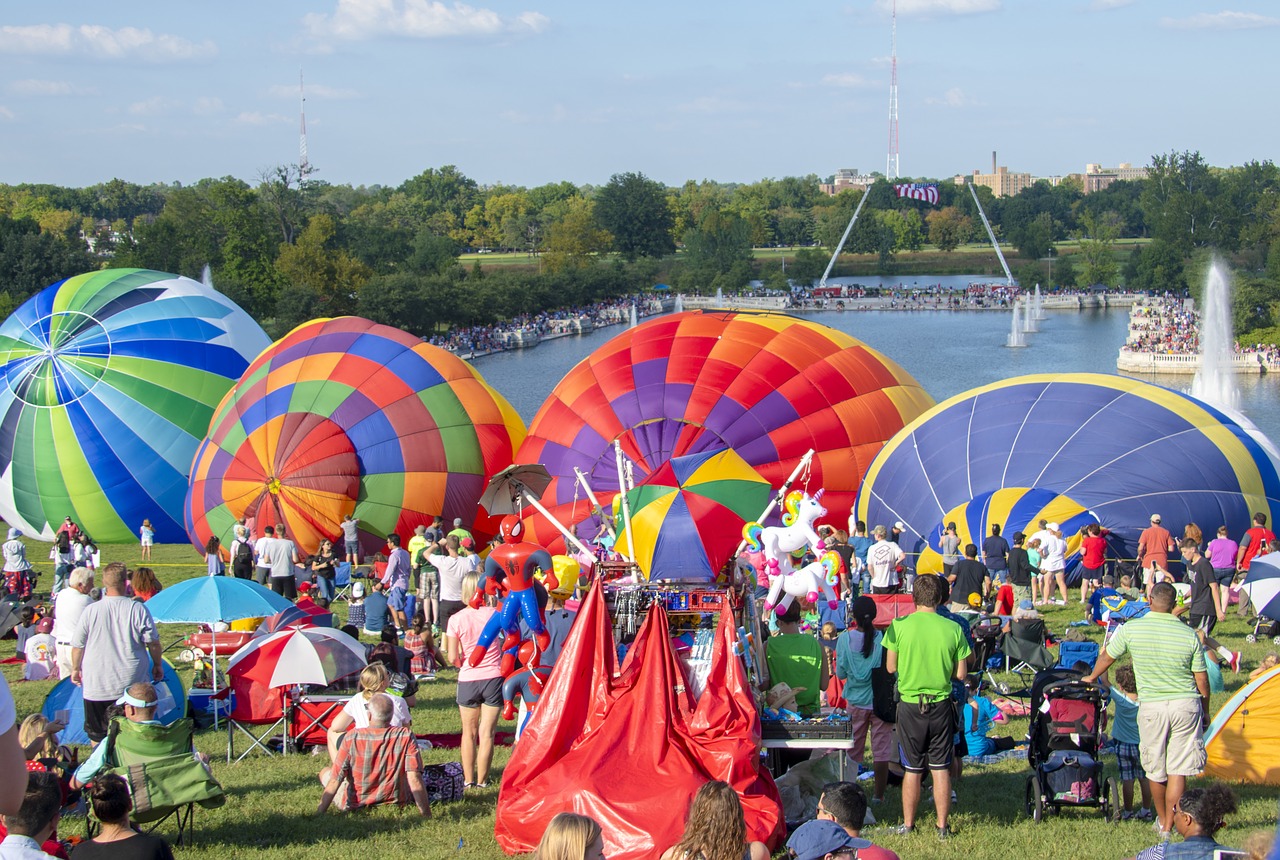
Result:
x=928 y=192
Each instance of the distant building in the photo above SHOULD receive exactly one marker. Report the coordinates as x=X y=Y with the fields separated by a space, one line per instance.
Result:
x=848 y=178
x=1096 y=177
x=1002 y=182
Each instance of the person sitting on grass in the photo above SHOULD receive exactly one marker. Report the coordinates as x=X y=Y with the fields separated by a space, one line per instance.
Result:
x=845 y=803
x=1197 y=816
x=571 y=837
x=374 y=764
x=716 y=828
x=1124 y=731
x=118 y=840
x=30 y=829
x=976 y=718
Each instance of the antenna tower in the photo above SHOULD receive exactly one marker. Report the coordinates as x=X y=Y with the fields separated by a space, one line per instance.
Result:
x=891 y=168
x=304 y=165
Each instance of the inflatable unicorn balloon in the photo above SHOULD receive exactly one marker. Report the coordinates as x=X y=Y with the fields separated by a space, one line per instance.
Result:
x=819 y=576
x=796 y=532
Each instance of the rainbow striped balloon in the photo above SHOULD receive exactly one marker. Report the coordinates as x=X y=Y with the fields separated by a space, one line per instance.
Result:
x=110 y=379
x=347 y=417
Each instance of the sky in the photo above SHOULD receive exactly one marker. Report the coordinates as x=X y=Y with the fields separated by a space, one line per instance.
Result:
x=526 y=92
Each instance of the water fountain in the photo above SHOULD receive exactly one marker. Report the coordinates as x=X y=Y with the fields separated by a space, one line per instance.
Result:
x=1030 y=321
x=719 y=297
x=679 y=305
x=1215 y=381
x=1039 y=305
x=1016 y=336
x=206 y=277
x=633 y=315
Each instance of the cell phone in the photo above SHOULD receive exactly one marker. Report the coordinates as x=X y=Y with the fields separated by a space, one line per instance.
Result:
x=1230 y=854
x=63 y=717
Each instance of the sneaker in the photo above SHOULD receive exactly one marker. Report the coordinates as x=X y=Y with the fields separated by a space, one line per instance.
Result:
x=945 y=832
x=1059 y=602
x=1127 y=815
x=903 y=829
x=1144 y=815
x=1234 y=663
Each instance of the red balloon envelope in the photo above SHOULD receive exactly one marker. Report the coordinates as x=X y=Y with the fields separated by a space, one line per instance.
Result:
x=632 y=751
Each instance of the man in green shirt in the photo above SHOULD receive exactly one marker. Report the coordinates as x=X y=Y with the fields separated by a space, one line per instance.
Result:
x=1173 y=696
x=927 y=651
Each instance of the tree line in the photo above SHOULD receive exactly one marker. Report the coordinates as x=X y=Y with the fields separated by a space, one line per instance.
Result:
x=290 y=247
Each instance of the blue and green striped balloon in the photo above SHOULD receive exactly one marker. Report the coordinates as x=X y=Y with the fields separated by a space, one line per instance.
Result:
x=109 y=381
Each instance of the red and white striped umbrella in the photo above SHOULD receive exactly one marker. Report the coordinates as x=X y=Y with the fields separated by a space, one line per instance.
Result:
x=311 y=655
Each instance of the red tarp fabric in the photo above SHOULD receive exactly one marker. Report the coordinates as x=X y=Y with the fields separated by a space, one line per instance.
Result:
x=631 y=751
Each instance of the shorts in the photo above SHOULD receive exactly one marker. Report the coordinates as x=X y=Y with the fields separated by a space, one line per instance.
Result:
x=146 y=541
x=96 y=720
x=1204 y=622
x=891 y=589
x=1021 y=593
x=395 y=599
x=473 y=694
x=1225 y=576
x=1172 y=743
x=285 y=586
x=926 y=734
x=1093 y=576
x=449 y=608
x=431 y=584
x=862 y=721
x=1129 y=757
x=947 y=567
x=352 y=547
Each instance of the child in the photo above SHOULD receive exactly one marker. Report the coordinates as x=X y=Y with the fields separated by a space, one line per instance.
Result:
x=25 y=629
x=40 y=651
x=214 y=565
x=420 y=642
x=1268 y=663
x=828 y=639
x=355 y=608
x=1124 y=731
x=147 y=534
x=977 y=717
x=1126 y=589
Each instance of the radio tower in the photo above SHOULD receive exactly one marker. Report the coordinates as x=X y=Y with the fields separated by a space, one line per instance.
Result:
x=891 y=168
x=304 y=165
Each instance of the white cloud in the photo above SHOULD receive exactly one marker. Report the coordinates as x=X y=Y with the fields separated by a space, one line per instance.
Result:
x=48 y=89
x=207 y=105
x=259 y=118
x=418 y=19
x=953 y=98
x=319 y=91
x=939 y=7
x=848 y=80
x=91 y=40
x=1221 y=21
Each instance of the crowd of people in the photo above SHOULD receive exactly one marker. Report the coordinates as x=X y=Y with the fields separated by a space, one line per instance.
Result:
x=910 y=691
x=478 y=340
x=1168 y=326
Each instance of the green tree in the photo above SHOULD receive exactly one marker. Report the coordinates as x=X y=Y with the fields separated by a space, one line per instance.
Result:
x=1177 y=202
x=948 y=228
x=633 y=208
x=1097 y=240
x=322 y=280
x=574 y=241
x=1034 y=238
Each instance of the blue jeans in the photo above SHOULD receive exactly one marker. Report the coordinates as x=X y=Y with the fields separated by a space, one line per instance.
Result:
x=326 y=588
x=62 y=572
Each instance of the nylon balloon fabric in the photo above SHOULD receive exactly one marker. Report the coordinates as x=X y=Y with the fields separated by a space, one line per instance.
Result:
x=767 y=385
x=612 y=748
x=1072 y=449
x=346 y=417
x=110 y=379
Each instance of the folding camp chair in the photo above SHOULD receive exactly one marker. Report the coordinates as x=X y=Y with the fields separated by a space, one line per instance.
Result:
x=342 y=581
x=1070 y=653
x=253 y=705
x=1025 y=652
x=165 y=778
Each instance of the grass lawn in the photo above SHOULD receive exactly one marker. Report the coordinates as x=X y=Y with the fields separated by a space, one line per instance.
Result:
x=270 y=810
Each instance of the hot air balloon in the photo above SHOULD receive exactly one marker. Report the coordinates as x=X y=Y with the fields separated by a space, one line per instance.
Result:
x=345 y=417
x=768 y=385
x=110 y=379
x=1072 y=448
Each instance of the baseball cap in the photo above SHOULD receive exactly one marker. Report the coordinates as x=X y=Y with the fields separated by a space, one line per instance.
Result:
x=457 y=522
x=815 y=839
x=44 y=625
x=304 y=587
x=1155 y=518
x=1053 y=527
x=1026 y=605
x=899 y=525
x=468 y=543
x=975 y=599
x=357 y=589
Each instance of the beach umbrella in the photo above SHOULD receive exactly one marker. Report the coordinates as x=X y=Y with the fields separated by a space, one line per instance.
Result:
x=687 y=517
x=1262 y=584
x=1069 y=448
x=769 y=385
x=107 y=384
x=294 y=616
x=310 y=655
x=348 y=417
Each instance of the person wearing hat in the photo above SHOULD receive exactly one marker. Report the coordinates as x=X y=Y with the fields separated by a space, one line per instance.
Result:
x=1154 y=545
x=140 y=701
x=824 y=840
x=796 y=658
x=459 y=532
x=41 y=653
x=18 y=580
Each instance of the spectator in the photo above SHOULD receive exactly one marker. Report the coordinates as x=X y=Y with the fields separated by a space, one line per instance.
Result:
x=969 y=578
x=1173 y=696
x=927 y=652
x=1154 y=545
x=459 y=532
x=262 y=551
x=1223 y=552
x=396 y=580
x=1093 y=550
x=375 y=609
x=115 y=644
x=995 y=554
x=241 y=553
x=823 y=840
x=845 y=803
x=139 y=702
x=213 y=563
x=24 y=630
x=283 y=556
x=559 y=620
x=950 y=550
x=41 y=653
x=479 y=687
x=375 y=763
x=84 y=552
x=35 y=820
x=715 y=828
x=67 y=606
x=451 y=568
x=1124 y=731
x=145 y=584
x=571 y=837
x=1021 y=576
x=1254 y=542
x=18 y=577
x=795 y=658
x=1198 y=816
x=351 y=539
x=426 y=657
x=64 y=562
x=324 y=566
x=1208 y=605
x=1053 y=564
x=109 y=797
x=858 y=654
x=374 y=680
x=12 y=756
x=976 y=718
x=883 y=558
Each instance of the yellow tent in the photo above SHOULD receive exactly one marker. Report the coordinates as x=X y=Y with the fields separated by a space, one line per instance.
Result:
x=1243 y=742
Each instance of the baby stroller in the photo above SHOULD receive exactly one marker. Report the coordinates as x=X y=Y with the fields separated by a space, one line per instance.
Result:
x=1067 y=719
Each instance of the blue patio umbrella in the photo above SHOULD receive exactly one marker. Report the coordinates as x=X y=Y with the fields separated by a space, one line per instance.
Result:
x=1262 y=584
x=210 y=599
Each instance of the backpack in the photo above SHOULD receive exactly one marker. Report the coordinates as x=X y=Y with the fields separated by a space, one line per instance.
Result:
x=884 y=689
x=244 y=552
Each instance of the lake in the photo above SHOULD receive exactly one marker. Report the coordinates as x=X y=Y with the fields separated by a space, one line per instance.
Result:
x=948 y=352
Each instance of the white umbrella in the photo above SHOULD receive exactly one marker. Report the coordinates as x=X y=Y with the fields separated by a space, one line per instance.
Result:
x=310 y=655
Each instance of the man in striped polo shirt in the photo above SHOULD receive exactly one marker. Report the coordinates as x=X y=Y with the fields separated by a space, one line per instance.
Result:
x=1173 y=697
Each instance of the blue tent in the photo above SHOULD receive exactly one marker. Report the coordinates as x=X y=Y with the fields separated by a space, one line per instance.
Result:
x=66 y=696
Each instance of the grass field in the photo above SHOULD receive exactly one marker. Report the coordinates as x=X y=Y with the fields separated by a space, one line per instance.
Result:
x=270 y=810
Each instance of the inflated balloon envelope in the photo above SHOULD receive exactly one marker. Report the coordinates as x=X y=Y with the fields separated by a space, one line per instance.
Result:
x=632 y=751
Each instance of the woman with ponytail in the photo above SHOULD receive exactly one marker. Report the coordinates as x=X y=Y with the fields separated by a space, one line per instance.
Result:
x=857 y=653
